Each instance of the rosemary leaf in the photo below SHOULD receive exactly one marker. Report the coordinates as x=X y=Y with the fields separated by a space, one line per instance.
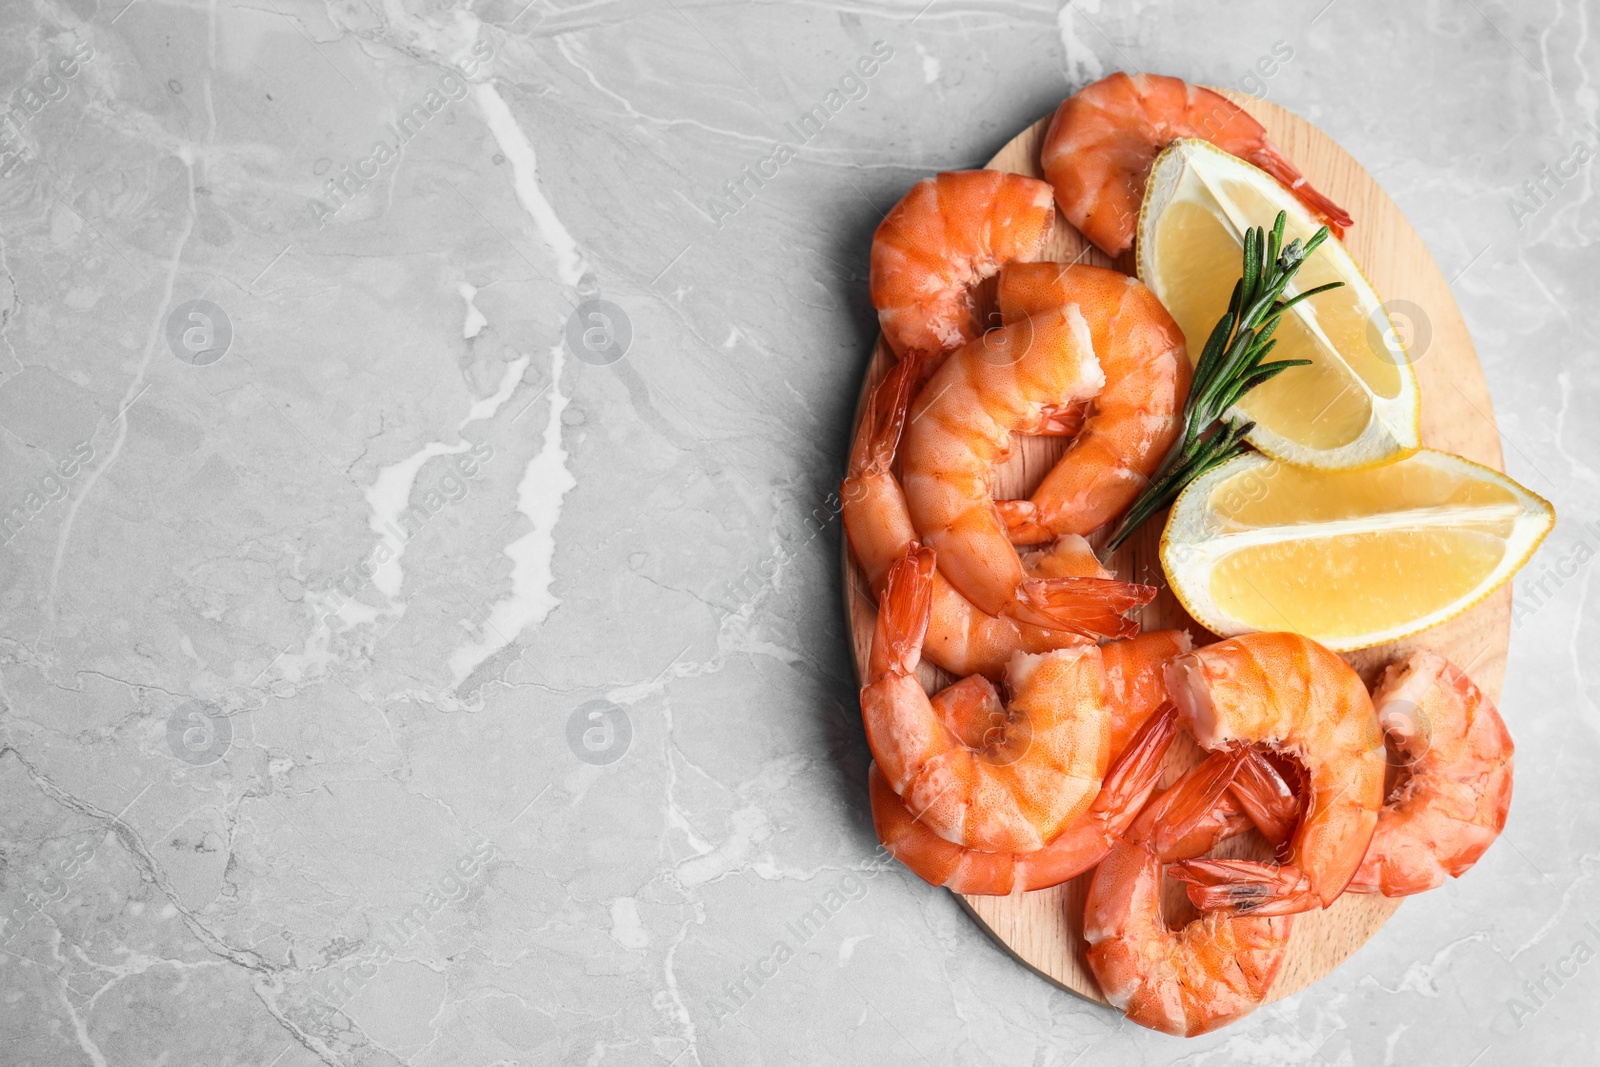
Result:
x=1232 y=363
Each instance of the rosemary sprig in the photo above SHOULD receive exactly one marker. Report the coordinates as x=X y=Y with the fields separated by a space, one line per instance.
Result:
x=1232 y=364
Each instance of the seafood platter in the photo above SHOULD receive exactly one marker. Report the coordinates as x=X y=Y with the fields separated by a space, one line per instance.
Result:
x=1178 y=553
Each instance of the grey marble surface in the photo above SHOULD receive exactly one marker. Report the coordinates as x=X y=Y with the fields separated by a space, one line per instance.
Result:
x=391 y=674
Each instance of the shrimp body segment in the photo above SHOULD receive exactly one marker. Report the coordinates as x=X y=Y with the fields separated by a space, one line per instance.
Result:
x=948 y=233
x=1133 y=421
x=961 y=425
x=1455 y=789
x=1103 y=139
x=1290 y=694
x=1214 y=970
x=960 y=638
x=1037 y=769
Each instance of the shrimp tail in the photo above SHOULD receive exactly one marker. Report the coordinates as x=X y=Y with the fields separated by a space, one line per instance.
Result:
x=1093 y=607
x=1247 y=887
x=903 y=613
x=1269 y=159
x=1267 y=799
x=885 y=418
x=1180 y=813
x=1133 y=776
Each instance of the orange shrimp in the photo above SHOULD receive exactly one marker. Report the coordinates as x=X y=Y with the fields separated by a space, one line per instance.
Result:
x=1135 y=690
x=971 y=709
x=1290 y=694
x=1082 y=844
x=1214 y=970
x=1135 y=682
x=1130 y=425
x=961 y=426
x=1455 y=788
x=960 y=639
x=1179 y=824
x=1033 y=775
x=1271 y=804
x=948 y=233
x=1099 y=148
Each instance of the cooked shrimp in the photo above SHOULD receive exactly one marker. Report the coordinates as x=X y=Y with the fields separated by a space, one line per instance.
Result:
x=971 y=710
x=1449 y=806
x=1290 y=694
x=961 y=426
x=1455 y=787
x=1130 y=425
x=1272 y=805
x=948 y=233
x=1034 y=773
x=1136 y=688
x=1099 y=148
x=1082 y=844
x=1135 y=681
x=1179 y=823
x=961 y=639
x=1214 y=970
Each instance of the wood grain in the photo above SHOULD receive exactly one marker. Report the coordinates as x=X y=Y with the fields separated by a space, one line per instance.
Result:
x=1043 y=929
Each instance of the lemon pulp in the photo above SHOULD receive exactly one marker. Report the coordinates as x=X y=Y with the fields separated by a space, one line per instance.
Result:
x=1350 y=558
x=1404 y=575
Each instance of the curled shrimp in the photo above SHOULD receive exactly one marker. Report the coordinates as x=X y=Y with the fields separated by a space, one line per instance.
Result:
x=1135 y=690
x=1078 y=847
x=1037 y=769
x=1455 y=786
x=1099 y=148
x=1448 y=807
x=1288 y=693
x=947 y=234
x=1215 y=969
x=1007 y=382
x=971 y=709
x=1133 y=421
x=960 y=639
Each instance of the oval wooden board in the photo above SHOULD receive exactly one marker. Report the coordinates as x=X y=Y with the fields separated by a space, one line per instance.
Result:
x=1044 y=929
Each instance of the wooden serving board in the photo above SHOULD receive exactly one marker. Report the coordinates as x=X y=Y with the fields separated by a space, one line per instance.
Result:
x=1044 y=929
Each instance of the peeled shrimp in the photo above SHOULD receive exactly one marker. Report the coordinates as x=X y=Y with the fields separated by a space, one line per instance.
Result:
x=1035 y=772
x=1135 y=683
x=961 y=639
x=1082 y=844
x=1214 y=970
x=1130 y=425
x=971 y=709
x=1455 y=789
x=1290 y=694
x=1099 y=148
x=1135 y=690
x=961 y=426
x=948 y=233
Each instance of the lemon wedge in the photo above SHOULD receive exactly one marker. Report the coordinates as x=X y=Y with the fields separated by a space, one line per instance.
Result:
x=1349 y=558
x=1357 y=404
